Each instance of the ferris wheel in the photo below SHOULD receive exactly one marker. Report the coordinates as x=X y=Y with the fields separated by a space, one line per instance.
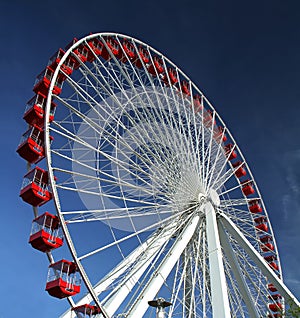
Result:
x=149 y=190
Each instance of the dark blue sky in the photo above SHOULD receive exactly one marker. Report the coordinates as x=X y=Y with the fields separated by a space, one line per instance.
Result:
x=243 y=55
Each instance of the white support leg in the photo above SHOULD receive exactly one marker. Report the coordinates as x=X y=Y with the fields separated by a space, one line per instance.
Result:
x=220 y=302
x=243 y=289
x=258 y=259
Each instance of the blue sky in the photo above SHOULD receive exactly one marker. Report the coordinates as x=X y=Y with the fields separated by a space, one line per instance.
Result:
x=245 y=58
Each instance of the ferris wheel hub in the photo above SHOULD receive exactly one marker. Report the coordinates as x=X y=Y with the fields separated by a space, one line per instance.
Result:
x=214 y=197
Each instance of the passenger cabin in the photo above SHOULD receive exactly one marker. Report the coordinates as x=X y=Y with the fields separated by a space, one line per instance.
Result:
x=230 y=152
x=46 y=233
x=87 y=310
x=271 y=261
x=170 y=77
x=184 y=87
x=35 y=189
x=114 y=48
x=272 y=288
x=254 y=206
x=247 y=188
x=31 y=147
x=219 y=134
x=142 y=58
x=96 y=47
x=208 y=118
x=62 y=279
x=239 y=169
x=266 y=245
x=67 y=67
x=80 y=53
x=129 y=50
x=197 y=104
x=156 y=67
x=275 y=307
x=35 y=110
x=261 y=223
x=43 y=81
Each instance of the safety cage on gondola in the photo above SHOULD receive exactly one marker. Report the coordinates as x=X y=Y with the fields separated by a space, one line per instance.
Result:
x=46 y=233
x=35 y=190
x=35 y=110
x=63 y=280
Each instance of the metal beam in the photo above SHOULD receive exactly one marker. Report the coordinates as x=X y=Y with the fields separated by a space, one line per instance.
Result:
x=258 y=259
x=220 y=301
x=243 y=289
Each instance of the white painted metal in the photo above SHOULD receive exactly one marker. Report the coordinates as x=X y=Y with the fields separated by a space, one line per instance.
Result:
x=258 y=259
x=175 y=136
x=220 y=302
x=161 y=274
x=239 y=276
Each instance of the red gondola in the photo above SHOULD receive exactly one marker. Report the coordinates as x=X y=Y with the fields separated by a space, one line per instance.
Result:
x=156 y=67
x=43 y=81
x=129 y=50
x=197 y=104
x=31 y=147
x=184 y=87
x=230 y=152
x=35 y=110
x=67 y=67
x=240 y=170
x=254 y=206
x=35 y=187
x=45 y=233
x=62 y=280
x=267 y=245
x=170 y=77
x=261 y=223
x=96 y=46
x=248 y=188
x=87 y=310
x=271 y=261
x=143 y=57
x=80 y=51
x=208 y=118
x=114 y=47
x=275 y=307
x=272 y=288
x=219 y=134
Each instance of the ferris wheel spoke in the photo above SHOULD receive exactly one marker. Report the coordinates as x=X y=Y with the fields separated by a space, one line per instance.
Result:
x=84 y=144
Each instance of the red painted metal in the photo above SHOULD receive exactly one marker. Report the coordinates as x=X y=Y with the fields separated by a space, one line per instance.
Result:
x=229 y=151
x=62 y=281
x=31 y=147
x=35 y=110
x=35 y=187
x=185 y=88
x=43 y=81
x=45 y=235
x=142 y=58
x=240 y=170
x=129 y=50
x=197 y=104
x=156 y=67
x=170 y=77
x=97 y=47
x=254 y=206
x=87 y=309
x=248 y=188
